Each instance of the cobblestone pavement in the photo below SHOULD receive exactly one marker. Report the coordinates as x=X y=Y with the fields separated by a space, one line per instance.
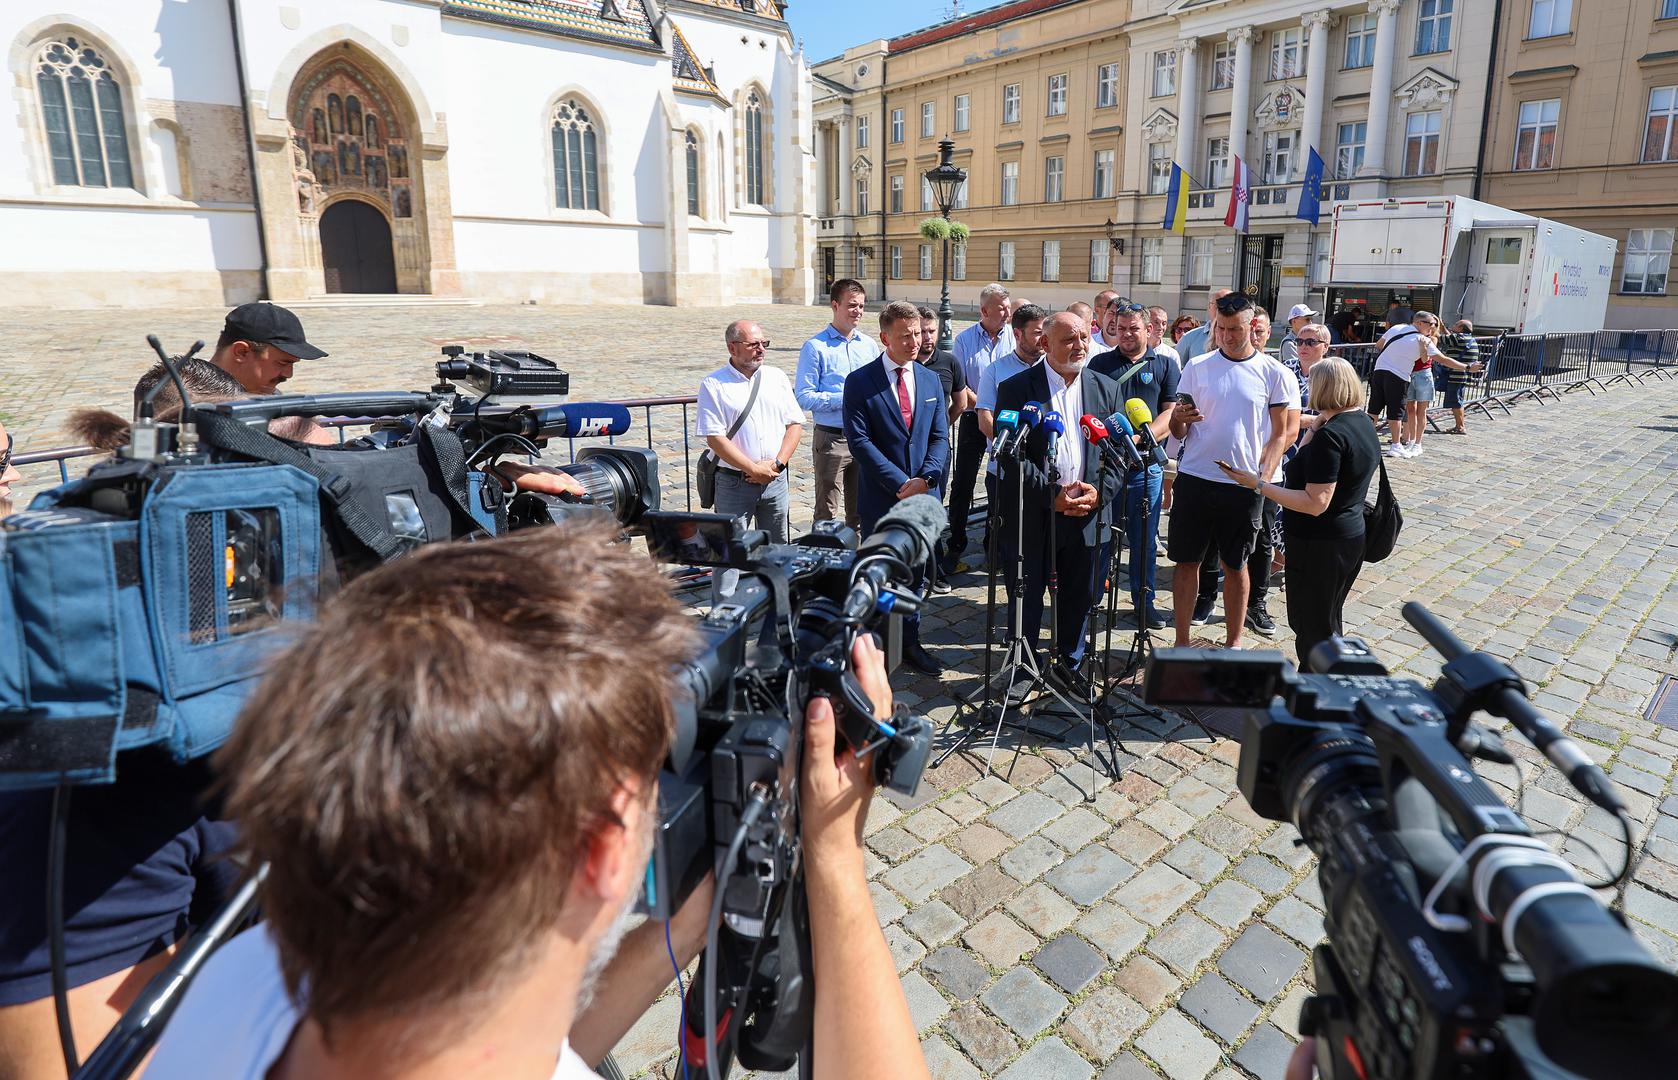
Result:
x=1162 y=928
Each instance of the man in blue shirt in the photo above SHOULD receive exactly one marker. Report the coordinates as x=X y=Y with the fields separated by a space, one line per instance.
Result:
x=976 y=348
x=823 y=363
x=1199 y=340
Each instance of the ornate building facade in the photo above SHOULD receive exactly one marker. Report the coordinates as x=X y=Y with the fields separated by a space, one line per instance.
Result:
x=517 y=150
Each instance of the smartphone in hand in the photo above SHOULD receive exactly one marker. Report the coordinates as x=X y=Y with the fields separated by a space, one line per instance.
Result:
x=1220 y=463
x=1185 y=399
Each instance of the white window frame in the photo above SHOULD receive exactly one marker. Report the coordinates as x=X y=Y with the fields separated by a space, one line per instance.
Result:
x=1051 y=260
x=1057 y=94
x=1550 y=18
x=963 y=112
x=1217 y=162
x=861 y=265
x=958 y=261
x=1348 y=154
x=1360 y=42
x=1280 y=150
x=1433 y=26
x=894 y=198
x=1663 y=106
x=1647 y=246
x=1321 y=246
x=929 y=119
x=926 y=262
x=1223 y=65
x=1107 y=85
x=1101 y=261
x=928 y=199
x=1054 y=178
x=1431 y=119
x=1101 y=182
x=896 y=126
x=960 y=201
x=1532 y=120
x=896 y=262
x=862 y=133
x=1200 y=257
x=1011 y=103
x=1010 y=183
x=862 y=195
x=1289 y=52
x=1162 y=80
x=1005 y=260
x=1152 y=269
x=1159 y=168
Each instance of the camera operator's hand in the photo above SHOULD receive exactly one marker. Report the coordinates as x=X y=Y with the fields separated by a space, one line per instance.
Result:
x=836 y=789
x=1302 y=1065
x=540 y=479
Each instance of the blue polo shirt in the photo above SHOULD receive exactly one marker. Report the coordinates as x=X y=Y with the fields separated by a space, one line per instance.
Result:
x=1154 y=383
x=975 y=351
x=823 y=363
x=1196 y=342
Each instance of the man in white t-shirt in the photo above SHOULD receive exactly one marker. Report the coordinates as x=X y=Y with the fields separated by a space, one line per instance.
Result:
x=752 y=463
x=456 y=814
x=1237 y=407
x=1404 y=347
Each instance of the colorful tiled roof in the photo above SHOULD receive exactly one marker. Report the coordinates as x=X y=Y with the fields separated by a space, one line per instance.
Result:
x=769 y=9
x=615 y=22
x=687 y=74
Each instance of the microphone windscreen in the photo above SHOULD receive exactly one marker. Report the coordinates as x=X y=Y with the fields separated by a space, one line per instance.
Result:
x=591 y=418
x=1094 y=429
x=922 y=515
x=1053 y=422
x=1007 y=418
x=1137 y=410
x=1119 y=421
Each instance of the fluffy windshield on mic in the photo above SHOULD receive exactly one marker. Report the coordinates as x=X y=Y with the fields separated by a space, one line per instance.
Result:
x=909 y=529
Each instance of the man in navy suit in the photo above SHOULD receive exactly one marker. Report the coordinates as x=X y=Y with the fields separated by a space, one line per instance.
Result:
x=898 y=431
x=1080 y=499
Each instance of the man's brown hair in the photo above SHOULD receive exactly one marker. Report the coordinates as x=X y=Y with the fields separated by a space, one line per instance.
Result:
x=422 y=766
x=895 y=312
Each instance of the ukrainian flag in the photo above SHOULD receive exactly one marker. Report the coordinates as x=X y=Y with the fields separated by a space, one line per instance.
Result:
x=1177 y=201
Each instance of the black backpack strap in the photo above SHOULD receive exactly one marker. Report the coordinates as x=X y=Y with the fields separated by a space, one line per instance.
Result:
x=449 y=455
x=229 y=434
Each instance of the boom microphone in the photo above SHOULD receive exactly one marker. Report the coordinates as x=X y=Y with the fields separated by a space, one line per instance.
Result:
x=906 y=535
x=1136 y=410
x=1120 y=453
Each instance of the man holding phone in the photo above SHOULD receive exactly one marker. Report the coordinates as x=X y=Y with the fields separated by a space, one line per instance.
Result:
x=1236 y=409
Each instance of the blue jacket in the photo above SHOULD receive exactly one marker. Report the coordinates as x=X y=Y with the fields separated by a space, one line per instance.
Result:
x=888 y=456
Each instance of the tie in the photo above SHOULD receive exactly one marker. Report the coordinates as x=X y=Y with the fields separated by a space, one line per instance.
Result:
x=903 y=399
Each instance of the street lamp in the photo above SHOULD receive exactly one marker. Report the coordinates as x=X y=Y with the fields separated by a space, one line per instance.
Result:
x=946 y=179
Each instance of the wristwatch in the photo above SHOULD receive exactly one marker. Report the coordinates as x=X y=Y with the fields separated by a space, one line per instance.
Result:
x=780 y=466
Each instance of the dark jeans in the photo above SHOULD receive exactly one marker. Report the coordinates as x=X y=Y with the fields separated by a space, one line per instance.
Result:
x=1320 y=574
x=1075 y=575
x=1140 y=507
x=969 y=457
x=1258 y=565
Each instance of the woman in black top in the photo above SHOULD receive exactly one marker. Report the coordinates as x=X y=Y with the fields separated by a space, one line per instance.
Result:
x=1322 y=502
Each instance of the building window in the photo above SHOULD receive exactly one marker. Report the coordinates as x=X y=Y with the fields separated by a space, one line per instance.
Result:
x=756 y=188
x=1348 y=149
x=1433 y=26
x=1278 y=157
x=1010 y=183
x=1005 y=260
x=1669 y=9
x=1319 y=258
x=1217 y=162
x=1223 y=65
x=576 y=163
x=1421 y=144
x=1159 y=168
x=958 y=262
x=1660 y=131
x=926 y=262
x=862 y=264
x=1288 y=49
x=1648 y=256
x=1535 y=137
x=1165 y=74
x=862 y=133
x=964 y=111
x=896 y=189
x=1057 y=95
x=1550 y=18
x=1051 y=260
x=960 y=201
x=1107 y=85
x=1054 y=179
x=1102 y=187
x=693 y=174
x=926 y=195
x=897 y=260
x=897 y=125
x=929 y=119
x=1200 y=260
x=1101 y=265
x=1360 y=41
x=81 y=108
x=1011 y=103
x=1153 y=260
x=862 y=195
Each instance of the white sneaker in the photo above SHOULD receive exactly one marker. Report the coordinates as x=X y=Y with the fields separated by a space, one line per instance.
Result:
x=1415 y=449
x=1393 y=450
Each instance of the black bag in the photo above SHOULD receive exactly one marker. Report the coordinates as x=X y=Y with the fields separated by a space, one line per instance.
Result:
x=705 y=473
x=1381 y=522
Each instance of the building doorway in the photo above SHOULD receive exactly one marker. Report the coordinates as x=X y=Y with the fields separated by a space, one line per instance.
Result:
x=1261 y=271
x=355 y=249
x=830 y=268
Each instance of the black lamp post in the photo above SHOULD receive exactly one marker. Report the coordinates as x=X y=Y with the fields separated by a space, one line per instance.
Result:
x=946 y=179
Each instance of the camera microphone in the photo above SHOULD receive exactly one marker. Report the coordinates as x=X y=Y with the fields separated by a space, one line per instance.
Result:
x=1113 y=451
x=1137 y=412
x=905 y=535
x=579 y=420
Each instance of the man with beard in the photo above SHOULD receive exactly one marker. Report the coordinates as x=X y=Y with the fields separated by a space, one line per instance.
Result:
x=259 y=344
x=457 y=814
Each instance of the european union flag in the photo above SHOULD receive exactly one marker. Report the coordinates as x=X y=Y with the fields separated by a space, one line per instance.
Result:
x=1311 y=192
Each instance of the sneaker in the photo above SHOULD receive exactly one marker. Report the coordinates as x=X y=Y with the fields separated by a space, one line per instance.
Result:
x=1393 y=450
x=1157 y=621
x=1415 y=449
x=941 y=587
x=1202 y=611
x=1258 y=618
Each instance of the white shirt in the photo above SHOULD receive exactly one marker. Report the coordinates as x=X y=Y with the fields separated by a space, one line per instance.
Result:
x=1165 y=348
x=908 y=372
x=1068 y=400
x=723 y=393
x=1402 y=356
x=1235 y=397
x=237 y=1019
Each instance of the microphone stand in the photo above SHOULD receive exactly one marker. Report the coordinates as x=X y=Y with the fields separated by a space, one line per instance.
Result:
x=1141 y=643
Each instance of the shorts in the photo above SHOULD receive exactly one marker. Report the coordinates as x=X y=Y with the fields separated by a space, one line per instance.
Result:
x=1207 y=515
x=1421 y=386
x=1386 y=393
x=143 y=867
x=1454 y=391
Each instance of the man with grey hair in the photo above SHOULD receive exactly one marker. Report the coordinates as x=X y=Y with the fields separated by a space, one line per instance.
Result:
x=1460 y=346
x=976 y=348
x=751 y=423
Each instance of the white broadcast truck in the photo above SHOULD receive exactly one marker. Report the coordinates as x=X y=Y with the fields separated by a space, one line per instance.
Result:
x=1500 y=269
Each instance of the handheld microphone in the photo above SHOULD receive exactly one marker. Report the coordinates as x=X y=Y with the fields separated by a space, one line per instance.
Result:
x=1031 y=415
x=1118 y=452
x=1054 y=425
x=1121 y=424
x=1006 y=428
x=1137 y=411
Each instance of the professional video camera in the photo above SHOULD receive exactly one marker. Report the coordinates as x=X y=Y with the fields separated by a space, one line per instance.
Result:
x=729 y=794
x=1459 y=945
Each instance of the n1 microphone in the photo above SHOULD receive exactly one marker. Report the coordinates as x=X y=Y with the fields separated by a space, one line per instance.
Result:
x=1118 y=452
x=1136 y=410
x=1005 y=429
x=1054 y=425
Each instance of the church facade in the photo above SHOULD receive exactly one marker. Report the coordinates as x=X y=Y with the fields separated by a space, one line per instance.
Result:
x=604 y=151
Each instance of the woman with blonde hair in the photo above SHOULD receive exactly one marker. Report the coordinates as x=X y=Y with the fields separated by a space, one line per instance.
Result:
x=1322 y=503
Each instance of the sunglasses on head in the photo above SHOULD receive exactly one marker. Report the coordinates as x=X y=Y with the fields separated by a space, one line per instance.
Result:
x=1125 y=307
x=6 y=456
x=1233 y=304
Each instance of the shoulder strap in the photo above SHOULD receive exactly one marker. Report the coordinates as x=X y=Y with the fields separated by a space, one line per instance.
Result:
x=450 y=455
x=1412 y=333
x=751 y=399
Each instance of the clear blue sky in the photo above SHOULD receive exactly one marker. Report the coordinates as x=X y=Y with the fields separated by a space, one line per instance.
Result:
x=829 y=27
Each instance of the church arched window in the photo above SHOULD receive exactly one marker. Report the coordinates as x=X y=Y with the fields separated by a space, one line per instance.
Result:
x=576 y=158
x=81 y=109
x=754 y=150
x=693 y=174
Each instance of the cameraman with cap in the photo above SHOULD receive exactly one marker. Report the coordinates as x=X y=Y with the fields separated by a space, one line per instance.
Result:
x=259 y=344
x=457 y=826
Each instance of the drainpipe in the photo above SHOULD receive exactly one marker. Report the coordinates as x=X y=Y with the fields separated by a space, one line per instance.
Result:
x=250 y=146
x=884 y=255
x=1486 y=109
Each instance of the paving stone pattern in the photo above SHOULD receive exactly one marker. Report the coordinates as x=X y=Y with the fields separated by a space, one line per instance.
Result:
x=1160 y=928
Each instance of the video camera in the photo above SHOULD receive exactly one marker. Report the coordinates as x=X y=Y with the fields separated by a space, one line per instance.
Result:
x=1459 y=945
x=729 y=793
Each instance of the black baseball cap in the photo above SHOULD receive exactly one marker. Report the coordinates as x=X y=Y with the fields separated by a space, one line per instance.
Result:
x=272 y=325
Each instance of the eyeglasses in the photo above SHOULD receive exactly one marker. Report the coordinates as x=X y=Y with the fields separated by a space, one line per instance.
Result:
x=1311 y=341
x=755 y=344
x=6 y=457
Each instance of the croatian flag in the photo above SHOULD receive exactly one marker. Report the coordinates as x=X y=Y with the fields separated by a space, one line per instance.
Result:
x=1240 y=190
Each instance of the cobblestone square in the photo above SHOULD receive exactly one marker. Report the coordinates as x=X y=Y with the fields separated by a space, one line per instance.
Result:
x=1001 y=891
